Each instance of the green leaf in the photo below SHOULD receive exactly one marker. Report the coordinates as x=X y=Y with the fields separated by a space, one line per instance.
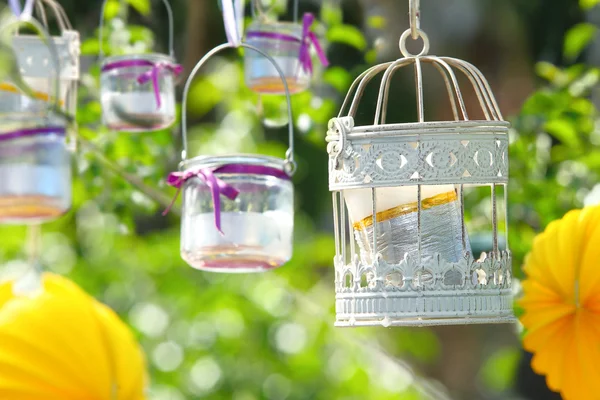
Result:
x=564 y=130
x=499 y=370
x=377 y=22
x=338 y=77
x=141 y=6
x=578 y=38
x=331 y=15
x=112 y=9
x=588 y=4
x=347 y=34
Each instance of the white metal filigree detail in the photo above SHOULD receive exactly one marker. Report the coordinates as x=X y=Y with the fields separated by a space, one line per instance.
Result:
x=479 y=291
x=435 y=158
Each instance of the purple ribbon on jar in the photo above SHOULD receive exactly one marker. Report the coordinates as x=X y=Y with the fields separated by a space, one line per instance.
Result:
x=152 y=75
x=309 y=39
x=23 y=133
x=217 y=186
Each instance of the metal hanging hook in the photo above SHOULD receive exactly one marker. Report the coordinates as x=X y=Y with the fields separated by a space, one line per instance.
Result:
x=415 y=18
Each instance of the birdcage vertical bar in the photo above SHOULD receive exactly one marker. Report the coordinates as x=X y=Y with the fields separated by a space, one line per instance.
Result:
x=494 y=220
x=352 y=238
x=336 y=223
x=463 y=228
x=374 y=198
x=343 y=227
x=506 y=246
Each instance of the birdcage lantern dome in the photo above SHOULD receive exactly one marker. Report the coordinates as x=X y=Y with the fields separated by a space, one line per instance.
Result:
x=34 y=61
x=403 y=252
x=138 y=90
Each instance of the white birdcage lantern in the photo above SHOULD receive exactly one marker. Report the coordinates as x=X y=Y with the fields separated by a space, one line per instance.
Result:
x=238 y=209
x=138 y=90
x=288 y=43
x=35 y=165
x=403 y=254
x=34 y=60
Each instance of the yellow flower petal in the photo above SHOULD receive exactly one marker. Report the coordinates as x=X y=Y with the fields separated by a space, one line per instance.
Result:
x=62 y=344
x=562 y=304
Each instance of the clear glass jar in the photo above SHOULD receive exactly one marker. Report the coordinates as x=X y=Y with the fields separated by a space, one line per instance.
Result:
x=127 y=104
x=257 y=226
x=282 y=41
x=13 y=102
x=35 y=175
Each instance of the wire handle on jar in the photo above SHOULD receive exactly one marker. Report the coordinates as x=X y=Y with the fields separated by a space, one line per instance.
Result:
x=46 y=38
x=290 y=163
x=171 y=28
x=259 y=10
x=59 y=14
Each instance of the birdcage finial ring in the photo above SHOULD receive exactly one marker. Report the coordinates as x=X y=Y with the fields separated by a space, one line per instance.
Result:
x=405 y=36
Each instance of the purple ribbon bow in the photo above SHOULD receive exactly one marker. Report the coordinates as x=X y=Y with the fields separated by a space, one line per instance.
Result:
x=310 y=38
x=217 y=186
x=154 y=74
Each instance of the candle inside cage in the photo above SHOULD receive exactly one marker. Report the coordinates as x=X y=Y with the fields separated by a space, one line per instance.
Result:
x=14 y=101
x=256 y=226
x=398 y=226
x=35 y=175
x=138 y=92
x=282 y=41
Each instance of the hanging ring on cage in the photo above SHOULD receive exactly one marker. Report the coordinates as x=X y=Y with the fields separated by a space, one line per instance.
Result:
x=415 y=18
x=171 y=29
x=290 y=163
x=404 y=38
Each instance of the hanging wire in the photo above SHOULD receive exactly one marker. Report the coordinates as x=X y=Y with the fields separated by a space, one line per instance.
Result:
x=415 y=18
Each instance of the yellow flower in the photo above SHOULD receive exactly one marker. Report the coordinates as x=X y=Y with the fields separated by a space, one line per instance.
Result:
x=562 y=304
x=63 y=345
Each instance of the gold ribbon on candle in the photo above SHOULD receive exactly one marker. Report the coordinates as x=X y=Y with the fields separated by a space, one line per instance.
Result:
x=7 y=87
x=404 y=209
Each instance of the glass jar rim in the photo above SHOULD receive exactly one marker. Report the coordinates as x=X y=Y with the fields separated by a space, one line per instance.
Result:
x=217 y=161
x=151 y=57
x=292 y=29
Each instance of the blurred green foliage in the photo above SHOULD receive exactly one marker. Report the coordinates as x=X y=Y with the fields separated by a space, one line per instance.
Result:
x=270 y=336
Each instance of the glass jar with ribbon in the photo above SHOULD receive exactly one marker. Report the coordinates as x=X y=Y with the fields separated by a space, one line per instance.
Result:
x=238 y=210
x=290 y=45
x=35 y=166
x=33 y=58
x=138 y=91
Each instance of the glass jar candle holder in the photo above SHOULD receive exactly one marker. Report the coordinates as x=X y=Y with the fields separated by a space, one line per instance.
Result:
x=283 y=42
x=249 y=233
x=138 y=92
x=238 y=210
x=34 y=57
x=35 y=175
